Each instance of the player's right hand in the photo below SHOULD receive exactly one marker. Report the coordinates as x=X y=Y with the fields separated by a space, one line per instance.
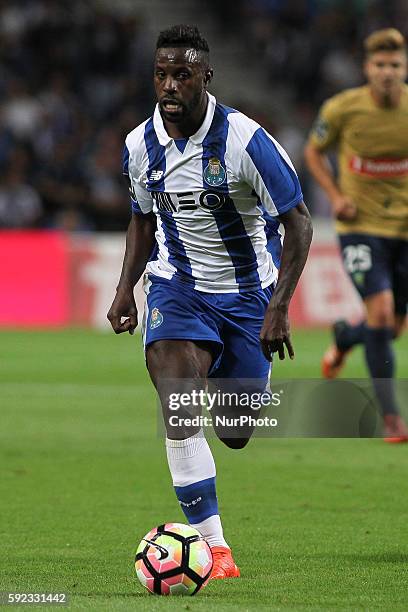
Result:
x=123 y=307
x=344 y=208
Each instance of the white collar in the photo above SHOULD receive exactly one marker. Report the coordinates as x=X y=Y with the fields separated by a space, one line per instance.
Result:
x=196 y=138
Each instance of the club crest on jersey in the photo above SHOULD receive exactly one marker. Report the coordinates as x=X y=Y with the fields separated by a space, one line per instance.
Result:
x=156 y=318
x=214 y=173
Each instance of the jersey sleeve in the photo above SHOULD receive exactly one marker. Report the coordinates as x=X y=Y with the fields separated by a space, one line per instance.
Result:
x=325 y=131
x=267 y=168
x=140 y=199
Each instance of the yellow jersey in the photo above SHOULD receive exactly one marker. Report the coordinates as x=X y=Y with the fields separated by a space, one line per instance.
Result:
x=372 y=147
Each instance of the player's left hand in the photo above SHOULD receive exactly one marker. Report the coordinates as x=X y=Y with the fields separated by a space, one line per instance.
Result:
x=275 y=333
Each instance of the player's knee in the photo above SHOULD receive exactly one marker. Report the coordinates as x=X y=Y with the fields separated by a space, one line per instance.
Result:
x=381 y=315
x=181 y=433
x=381 y=318
x=235 y=443
x=380 y=310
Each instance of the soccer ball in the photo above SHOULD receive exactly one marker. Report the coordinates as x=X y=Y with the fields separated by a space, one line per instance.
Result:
x=173 y=559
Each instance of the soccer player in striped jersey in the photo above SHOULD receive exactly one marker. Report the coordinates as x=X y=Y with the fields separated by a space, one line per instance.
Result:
x=205 y=181
x=368 y=126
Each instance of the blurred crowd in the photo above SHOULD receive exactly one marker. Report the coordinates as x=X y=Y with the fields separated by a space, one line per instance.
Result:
x=73 y=82
x=314 y=47
x=308 y=50
x=75 y=77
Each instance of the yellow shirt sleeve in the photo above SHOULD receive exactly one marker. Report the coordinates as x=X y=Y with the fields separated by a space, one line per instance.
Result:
x=326 y=129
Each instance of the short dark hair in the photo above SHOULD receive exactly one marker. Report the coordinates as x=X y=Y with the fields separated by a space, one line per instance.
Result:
x=182 y=36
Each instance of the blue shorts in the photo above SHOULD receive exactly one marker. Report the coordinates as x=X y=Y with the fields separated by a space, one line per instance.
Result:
x=376 y=264
x=230 y=321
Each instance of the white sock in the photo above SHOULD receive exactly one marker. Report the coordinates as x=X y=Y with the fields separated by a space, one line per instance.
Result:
x=190 y=460
x=193 y=473
x=211 y=530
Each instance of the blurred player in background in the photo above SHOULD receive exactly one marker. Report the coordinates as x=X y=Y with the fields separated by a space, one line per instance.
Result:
x=368 y=126
x=206 y=181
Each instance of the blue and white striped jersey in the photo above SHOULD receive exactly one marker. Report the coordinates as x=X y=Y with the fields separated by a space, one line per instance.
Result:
x=212 y=194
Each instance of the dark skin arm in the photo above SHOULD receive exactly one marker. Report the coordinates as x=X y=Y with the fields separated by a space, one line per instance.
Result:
x=140 y=240
x=275 y=334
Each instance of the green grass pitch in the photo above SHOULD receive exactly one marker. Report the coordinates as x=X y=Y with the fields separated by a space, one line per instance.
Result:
x=314 y=524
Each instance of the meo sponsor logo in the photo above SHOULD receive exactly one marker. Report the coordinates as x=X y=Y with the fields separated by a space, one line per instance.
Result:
x=209 y=200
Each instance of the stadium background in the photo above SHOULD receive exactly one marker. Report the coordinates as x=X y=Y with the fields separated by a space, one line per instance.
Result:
x=76 y=405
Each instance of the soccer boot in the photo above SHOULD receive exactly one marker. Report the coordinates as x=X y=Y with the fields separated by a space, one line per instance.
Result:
x=334 y=358
x=395 y=429
x=223 y=564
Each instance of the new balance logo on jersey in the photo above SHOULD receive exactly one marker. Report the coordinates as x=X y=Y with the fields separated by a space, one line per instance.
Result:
x=156 y=175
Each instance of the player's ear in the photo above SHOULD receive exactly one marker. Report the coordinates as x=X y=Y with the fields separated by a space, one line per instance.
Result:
x=208 y=76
